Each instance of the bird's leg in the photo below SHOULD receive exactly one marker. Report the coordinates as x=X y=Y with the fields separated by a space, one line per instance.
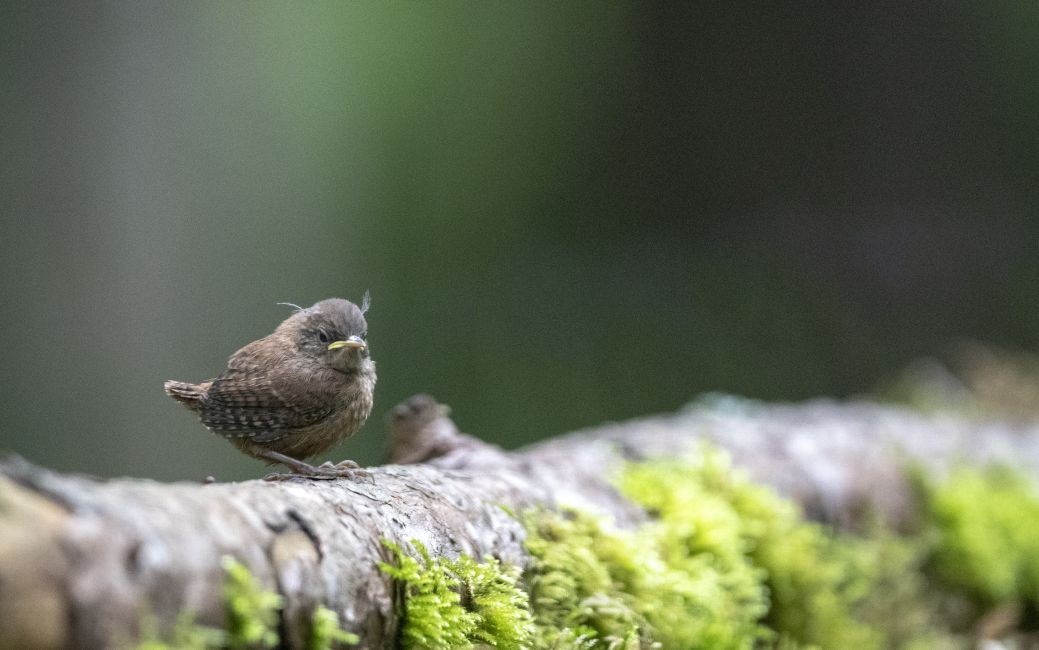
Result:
x=345 y=469
x=297 y=466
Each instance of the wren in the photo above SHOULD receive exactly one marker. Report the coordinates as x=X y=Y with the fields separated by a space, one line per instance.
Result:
x=294 y=393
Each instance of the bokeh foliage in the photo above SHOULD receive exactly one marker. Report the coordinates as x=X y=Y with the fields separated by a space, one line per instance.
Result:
x=566 y=213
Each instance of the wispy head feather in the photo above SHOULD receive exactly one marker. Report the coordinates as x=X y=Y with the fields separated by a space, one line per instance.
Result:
x=289 y=304
x=366 y=302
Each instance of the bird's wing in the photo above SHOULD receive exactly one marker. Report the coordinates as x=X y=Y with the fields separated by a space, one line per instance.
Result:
x=263 y=406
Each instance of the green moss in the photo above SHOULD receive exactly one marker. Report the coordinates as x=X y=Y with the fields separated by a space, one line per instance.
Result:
x=987 y=529
x=594 y=586
x=707 y=509
x=900 y=600
x=251 y=610
x=723 y=563
x=325 y=632
x=252 y=615
x=186 y=635
x=459 y=603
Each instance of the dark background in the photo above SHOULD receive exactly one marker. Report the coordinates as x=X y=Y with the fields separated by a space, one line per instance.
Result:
x=565 y=213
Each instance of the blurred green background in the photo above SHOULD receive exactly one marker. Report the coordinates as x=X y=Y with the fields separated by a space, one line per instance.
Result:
x=566 y=213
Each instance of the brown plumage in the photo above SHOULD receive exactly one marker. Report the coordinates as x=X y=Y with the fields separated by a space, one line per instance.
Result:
x=294 y=393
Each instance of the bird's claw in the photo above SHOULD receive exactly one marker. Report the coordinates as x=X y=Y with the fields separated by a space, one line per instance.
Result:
x=281 y=476
x=326 y=471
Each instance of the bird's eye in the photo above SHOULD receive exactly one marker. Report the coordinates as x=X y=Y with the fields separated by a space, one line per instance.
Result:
x=322 y=336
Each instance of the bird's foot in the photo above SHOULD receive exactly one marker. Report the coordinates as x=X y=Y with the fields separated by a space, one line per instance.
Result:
x=343 y=464
x=282 y=476
x=324 y=472
x=346 y=469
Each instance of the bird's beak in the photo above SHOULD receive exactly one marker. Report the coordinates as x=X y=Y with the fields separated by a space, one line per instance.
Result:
x=355 y=342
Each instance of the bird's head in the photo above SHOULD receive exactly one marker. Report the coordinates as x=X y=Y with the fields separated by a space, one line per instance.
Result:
x=335 y=332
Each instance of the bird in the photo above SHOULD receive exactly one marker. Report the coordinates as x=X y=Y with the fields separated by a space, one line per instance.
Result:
x=294 y=393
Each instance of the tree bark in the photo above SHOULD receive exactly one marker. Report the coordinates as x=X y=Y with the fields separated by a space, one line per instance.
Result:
x=82 y=560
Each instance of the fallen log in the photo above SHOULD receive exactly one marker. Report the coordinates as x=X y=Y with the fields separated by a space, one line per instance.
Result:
x=82 y=560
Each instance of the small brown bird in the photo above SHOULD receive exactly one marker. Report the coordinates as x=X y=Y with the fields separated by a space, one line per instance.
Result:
x=294 y=393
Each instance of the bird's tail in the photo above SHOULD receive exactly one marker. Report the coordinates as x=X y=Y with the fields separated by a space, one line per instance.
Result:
x=185 y=393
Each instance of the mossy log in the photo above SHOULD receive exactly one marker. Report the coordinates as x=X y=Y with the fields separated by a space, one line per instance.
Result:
x=84 y=561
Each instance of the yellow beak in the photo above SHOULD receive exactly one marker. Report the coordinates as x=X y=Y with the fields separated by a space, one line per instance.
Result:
x=353 y=342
